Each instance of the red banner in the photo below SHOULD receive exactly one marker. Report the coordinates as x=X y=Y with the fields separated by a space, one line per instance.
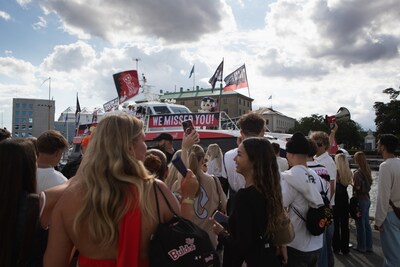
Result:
x=175 y=120
x=127 y=84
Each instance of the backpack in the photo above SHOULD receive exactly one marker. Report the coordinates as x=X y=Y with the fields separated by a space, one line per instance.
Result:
x=180 y=242
x=318 y=218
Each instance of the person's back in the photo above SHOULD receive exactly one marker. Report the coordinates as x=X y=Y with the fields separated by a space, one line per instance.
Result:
x=106 y=213
x=51 y=145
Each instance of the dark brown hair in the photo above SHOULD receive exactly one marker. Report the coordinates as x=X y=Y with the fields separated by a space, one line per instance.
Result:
x=51 y=141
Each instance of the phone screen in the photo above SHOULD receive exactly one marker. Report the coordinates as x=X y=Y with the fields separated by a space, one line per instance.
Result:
x=178 y=163
x=187 y=126
x=220 y=217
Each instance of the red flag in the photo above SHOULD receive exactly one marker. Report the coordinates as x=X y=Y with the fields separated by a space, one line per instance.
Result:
x=127 y=84
x=236 y=80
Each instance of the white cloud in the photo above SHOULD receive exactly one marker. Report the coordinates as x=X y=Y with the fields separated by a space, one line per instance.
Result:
x=4 y=15
x=24 y=3
x=119 y=21
x=66 y=58
x=16 y=69
x=42 y=23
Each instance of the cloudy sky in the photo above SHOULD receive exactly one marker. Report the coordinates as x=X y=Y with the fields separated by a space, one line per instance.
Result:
x=312 y=56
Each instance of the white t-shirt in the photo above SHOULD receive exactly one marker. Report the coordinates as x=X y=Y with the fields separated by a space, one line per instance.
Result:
x=47 y=178
x=236 y=180
x=301 y=189
x=326 y=160
x=282 y=163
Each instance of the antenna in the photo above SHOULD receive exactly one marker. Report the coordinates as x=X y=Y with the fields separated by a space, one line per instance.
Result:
x=137 y=63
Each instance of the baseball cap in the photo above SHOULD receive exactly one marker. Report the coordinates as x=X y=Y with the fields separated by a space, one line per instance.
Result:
x=163 y=136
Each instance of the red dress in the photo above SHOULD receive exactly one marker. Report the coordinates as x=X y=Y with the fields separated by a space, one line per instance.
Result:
x=129 y=245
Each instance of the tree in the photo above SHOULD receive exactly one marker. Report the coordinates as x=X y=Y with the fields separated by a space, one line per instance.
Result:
x=388 y=114
x=348 y=133
x=306 y=124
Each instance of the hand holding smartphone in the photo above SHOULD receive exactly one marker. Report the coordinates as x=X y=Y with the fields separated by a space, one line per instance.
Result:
x=220 y=217
x=188 y=126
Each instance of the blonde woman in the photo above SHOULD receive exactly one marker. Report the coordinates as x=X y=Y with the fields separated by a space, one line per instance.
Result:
x=362 y=184
x=109 y=213
x=340 y=242
x=172 y=175
x=210 y=196
x=215 y=164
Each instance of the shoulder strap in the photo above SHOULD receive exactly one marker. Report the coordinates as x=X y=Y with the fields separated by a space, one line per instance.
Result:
x=30 y=226
x=165 y=199
x=298 y=213
x=219 y=197
x=223 y=162
x=392 y=204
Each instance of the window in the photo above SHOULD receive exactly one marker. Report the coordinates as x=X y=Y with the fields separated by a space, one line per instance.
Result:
x=240 y=111
x=16 y=127
x=17 y=120
x=17 y=106
x=30 y=134
x=24 y=106
x=23 y=120
x=248 y=104
x=30 y=113
x=23 y=113
x=23 y=134
x=23 y=127
x=30 y=106
x=180 y=109
x=267 y=121
x=161 y=110
x=30 y=127
x=16 y=134
x=30 y=120
x=17 y=113
x=240 y=102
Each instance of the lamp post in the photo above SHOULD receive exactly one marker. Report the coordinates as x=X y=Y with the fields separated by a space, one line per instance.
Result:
x=49 y=104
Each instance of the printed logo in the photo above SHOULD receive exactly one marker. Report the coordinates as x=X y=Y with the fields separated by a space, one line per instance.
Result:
x=175 y=254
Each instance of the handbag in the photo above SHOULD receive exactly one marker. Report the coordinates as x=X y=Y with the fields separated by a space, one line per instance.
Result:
x=395 y=209
x=354 y=208
x=180 y=242
x=284 y=233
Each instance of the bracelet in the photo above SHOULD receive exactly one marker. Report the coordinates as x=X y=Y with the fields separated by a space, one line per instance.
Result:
x=187 y=200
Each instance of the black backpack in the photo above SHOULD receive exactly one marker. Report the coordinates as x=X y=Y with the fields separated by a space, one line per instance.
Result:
x=180 y=242
x=318 y=218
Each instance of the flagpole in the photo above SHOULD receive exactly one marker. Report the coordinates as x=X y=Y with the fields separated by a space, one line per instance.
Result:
x=245 y=72
x=220 y=88
x=194 y=77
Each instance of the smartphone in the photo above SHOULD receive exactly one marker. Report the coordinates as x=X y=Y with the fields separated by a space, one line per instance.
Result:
x=178 y=163
x=220 y=217
x=187 y=126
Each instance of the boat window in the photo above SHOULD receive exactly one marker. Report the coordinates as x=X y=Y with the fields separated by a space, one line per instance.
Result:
x=180 y=110
x=161 y=110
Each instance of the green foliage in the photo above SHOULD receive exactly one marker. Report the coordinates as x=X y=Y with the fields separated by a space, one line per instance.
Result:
x=388 y=114
x=348 y=133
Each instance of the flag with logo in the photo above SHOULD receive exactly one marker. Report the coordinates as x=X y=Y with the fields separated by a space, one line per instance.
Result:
x=191 y=72
x=236 y=80
x=127 y=84
x=217 y=76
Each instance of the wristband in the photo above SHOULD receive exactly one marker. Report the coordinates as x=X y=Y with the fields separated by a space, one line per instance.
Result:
x=187 y=200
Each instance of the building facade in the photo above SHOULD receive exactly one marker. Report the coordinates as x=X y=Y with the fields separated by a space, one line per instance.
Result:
x=276 y=121
x=31 y=117
x=233 y=103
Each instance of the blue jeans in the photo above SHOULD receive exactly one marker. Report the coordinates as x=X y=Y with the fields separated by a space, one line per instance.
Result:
x=326 y=258
x=390 y=240
x=364 y=232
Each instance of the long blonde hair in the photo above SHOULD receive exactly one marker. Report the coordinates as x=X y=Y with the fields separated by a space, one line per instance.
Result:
x=114 y=181
x=361 y=161
x=343 y=169
x=215 y=152
x=172 y=171
x=196 y=153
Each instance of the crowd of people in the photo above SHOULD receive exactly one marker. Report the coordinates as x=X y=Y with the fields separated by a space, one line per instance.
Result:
x=101 y=210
